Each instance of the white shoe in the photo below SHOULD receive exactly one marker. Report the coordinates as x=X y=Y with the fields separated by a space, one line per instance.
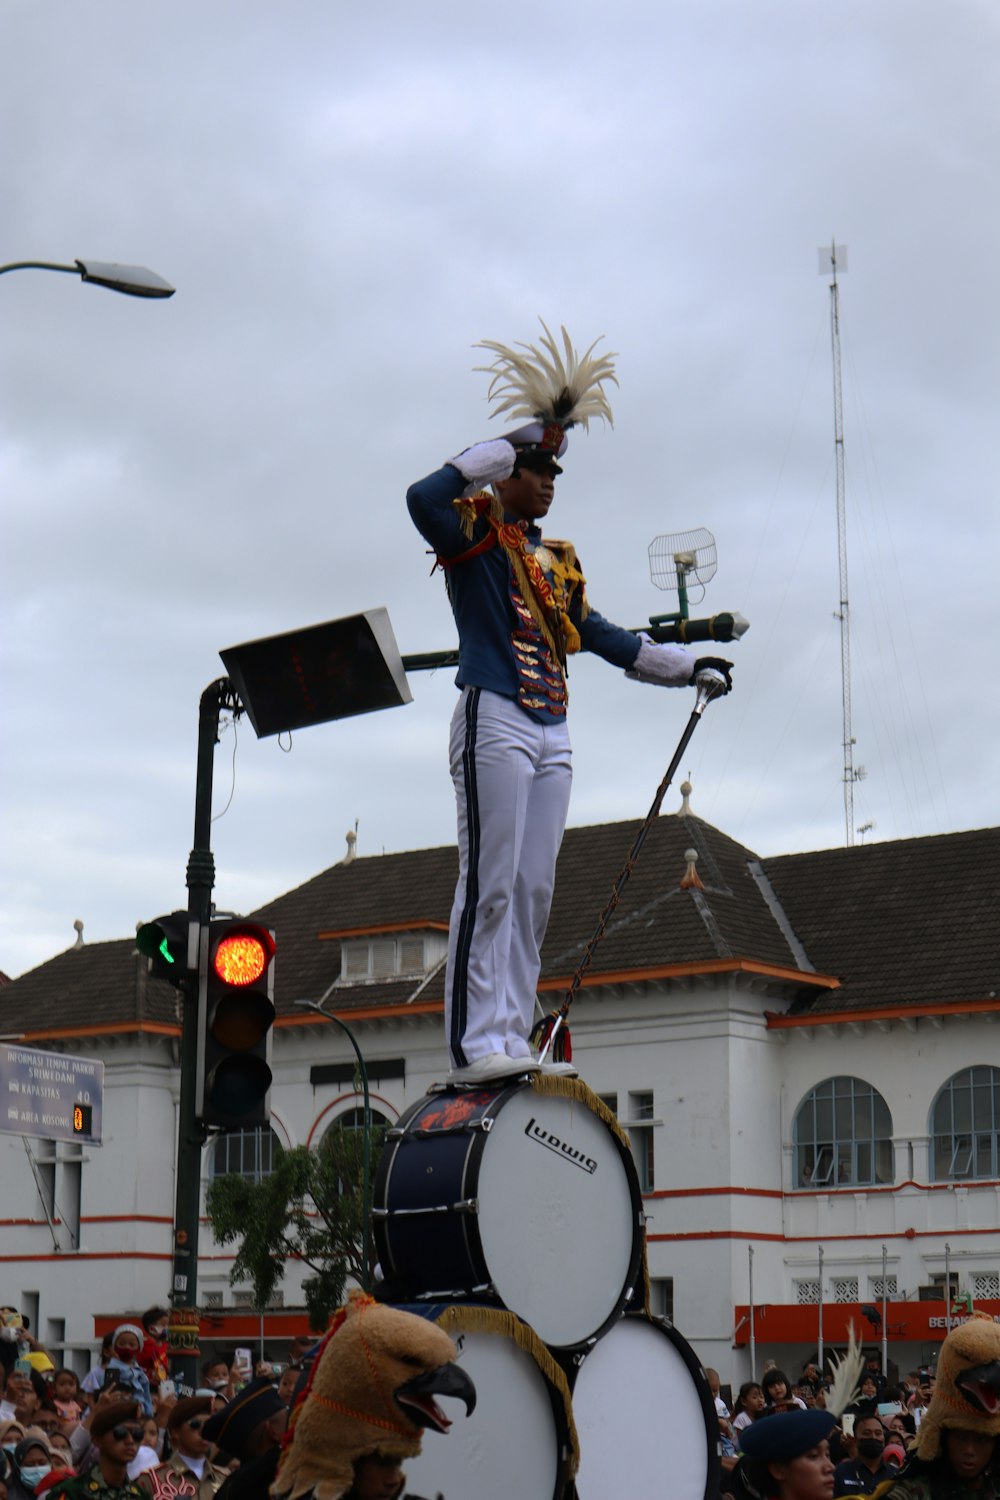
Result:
x=558 y=1070
x=494 y=1065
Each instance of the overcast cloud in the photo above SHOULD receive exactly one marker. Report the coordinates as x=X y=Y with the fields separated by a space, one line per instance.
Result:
x=347 y=198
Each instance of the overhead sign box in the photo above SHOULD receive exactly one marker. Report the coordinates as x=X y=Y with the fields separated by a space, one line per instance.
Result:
x=50 y=1096
x=321 y=672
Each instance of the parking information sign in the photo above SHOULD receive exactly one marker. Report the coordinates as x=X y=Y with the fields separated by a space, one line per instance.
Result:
x=50 y=1095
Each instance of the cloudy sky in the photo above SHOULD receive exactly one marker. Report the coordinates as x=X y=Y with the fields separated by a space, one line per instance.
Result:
x=348 y=197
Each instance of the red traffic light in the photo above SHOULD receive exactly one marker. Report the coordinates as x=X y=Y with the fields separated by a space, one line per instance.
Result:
x=243 y=955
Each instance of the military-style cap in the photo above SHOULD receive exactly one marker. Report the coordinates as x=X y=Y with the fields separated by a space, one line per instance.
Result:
x=231 y=1427
x=189 y=1406
x=786 y=1435
x=107 y=1417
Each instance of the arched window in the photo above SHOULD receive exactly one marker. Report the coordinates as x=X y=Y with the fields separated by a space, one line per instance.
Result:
x=353 y=1118
x=249 y=1153
x=842 y=1136
x=965 y=1126
x=344 y=1140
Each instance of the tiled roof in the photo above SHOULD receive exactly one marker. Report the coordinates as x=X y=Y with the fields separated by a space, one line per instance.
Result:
x=96 y=984
x=908 y=922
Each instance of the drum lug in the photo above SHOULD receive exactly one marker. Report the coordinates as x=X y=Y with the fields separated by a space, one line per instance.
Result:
x=466 y=1206
x=485 y=1125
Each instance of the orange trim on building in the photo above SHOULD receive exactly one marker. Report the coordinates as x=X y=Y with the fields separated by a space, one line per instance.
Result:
x=126 y=1219
x=421 y=925
x=708 y=966
x=714 y=1192
x=792 y=1323
x=69 y=1256
x=817 y=1239
x=367 y=1013
x=882 y=1013
x=119 y=1028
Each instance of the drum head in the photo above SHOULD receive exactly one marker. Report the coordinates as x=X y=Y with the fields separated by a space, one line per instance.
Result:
x=514 y=1443
x=645 y=1417
x=559 y=1216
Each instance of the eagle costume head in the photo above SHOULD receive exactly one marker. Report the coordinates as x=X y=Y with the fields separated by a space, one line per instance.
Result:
x=371 y=1390
x=967 y=1390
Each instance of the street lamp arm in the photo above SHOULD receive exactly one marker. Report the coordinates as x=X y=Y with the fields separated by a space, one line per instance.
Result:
x=38 y=265
x=132 y=281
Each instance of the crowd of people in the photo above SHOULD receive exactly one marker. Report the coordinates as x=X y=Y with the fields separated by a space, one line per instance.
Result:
x=123 y=1433
x=925 y=1438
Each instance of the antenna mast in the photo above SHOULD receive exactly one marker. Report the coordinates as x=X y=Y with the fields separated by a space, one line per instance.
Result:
x=831 y=260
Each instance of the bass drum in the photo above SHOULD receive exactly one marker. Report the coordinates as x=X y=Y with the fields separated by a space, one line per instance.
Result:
x=644 y=1416
x=519 y=1441
x=526 y=1194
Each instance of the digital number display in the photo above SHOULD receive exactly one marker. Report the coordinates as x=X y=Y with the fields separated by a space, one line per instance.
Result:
x=82 y=1119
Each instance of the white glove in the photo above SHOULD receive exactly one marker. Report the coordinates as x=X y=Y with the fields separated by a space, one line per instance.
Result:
x=485 y=463
x=664 y=666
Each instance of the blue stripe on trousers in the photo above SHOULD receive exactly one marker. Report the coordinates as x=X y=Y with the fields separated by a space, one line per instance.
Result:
x=460 y=978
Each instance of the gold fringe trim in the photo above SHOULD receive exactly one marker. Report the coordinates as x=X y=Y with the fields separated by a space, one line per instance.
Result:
x=461 y=1318
x=575 y=1088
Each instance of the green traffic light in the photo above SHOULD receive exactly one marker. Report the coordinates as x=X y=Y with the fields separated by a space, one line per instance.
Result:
x=165 y=950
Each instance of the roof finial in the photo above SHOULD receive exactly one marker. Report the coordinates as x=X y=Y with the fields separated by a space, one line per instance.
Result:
x=78 y=928
x=352 y=840
x=691 y=880
x=684 y=811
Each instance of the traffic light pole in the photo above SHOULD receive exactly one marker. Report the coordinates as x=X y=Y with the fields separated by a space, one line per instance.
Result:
x=184 y=1351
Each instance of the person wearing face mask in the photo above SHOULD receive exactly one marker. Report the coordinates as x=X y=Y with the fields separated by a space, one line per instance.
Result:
x=11 y=1433
x=153 y=1354
x=215 y=1377
x=862 y=1475
x=31 y=1461
x=124 y=1366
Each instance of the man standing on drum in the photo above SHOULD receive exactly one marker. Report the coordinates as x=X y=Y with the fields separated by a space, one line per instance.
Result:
x=521 y=610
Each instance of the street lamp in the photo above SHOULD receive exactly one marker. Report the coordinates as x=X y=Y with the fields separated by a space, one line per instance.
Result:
x=133 y=281
x=366 y=1141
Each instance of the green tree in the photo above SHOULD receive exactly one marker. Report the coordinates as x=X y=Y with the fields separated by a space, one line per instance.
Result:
x=309 y=1209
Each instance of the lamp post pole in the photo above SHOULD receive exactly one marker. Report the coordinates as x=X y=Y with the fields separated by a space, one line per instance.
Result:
x=366 y=1192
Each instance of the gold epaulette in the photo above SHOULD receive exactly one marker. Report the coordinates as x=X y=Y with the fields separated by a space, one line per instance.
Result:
x=470 y=508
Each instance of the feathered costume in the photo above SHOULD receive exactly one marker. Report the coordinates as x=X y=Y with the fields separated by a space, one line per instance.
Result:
x=371 y=1390
x=559 y=390
x=967 y=1388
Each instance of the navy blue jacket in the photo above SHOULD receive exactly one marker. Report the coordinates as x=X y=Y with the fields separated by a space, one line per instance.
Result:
x=497 y=644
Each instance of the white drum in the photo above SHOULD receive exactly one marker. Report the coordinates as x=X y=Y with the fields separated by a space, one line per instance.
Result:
x=514 y=1193
x=644 y=1416
x=517 y=1442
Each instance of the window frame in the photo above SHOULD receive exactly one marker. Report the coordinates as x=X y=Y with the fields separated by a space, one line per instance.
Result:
x=965 y=1138
x=834 y=1153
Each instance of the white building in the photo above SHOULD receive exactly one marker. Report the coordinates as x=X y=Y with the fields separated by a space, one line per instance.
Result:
x=805 y=1050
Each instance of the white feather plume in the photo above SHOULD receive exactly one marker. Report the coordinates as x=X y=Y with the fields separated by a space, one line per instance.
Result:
x=549 y=384
x=844 y=1387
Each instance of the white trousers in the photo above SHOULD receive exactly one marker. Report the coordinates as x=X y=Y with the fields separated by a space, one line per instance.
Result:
x=512 y=780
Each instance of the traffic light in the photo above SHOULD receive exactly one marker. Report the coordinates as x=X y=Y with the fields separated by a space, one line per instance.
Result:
x=235 y=1016
x=165 y=943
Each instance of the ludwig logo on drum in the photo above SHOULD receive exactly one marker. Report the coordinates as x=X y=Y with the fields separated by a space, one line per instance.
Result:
x=553 y=1143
